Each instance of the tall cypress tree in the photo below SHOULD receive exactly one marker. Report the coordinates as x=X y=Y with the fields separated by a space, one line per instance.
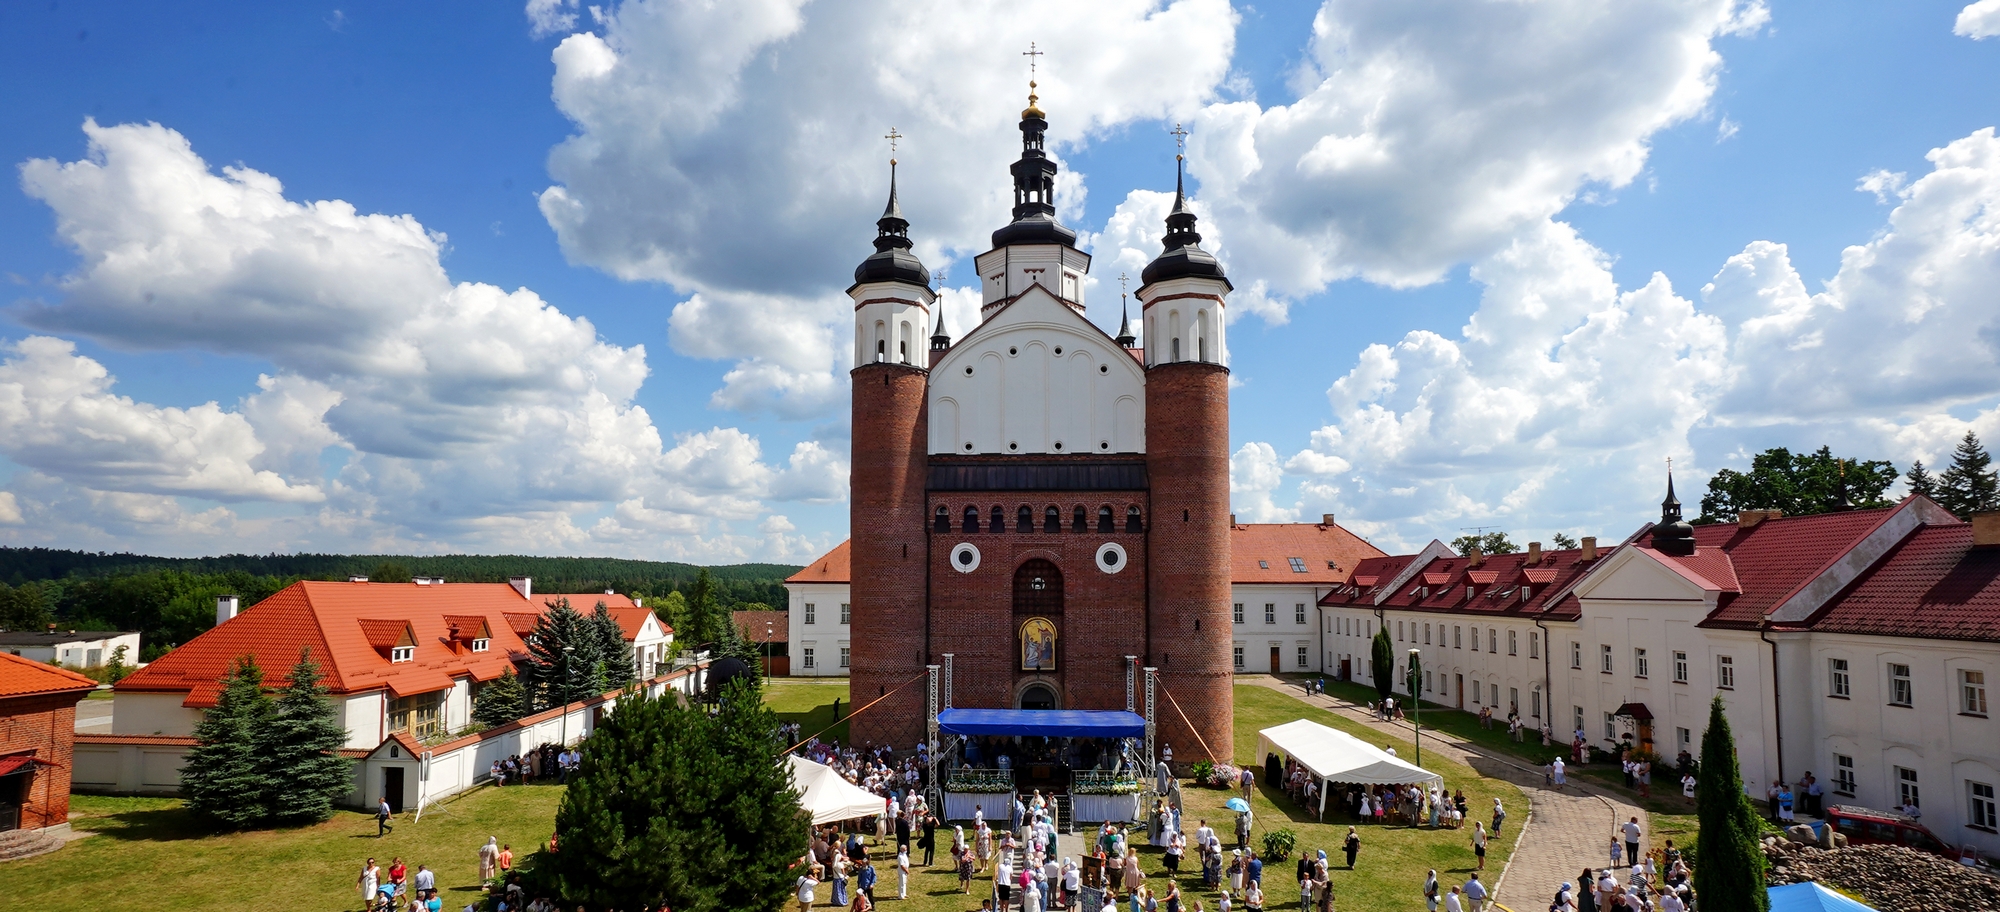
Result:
x=222 y=780
x=563 y=656
x=1729 y=863
x=1970 y=485
x=502 y=701
x=613 y=651
x=1382 y=664
x=300 y=750
x=664 y=781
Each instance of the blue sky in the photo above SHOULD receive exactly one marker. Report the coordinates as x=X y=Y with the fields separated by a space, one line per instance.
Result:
x=1445 y=221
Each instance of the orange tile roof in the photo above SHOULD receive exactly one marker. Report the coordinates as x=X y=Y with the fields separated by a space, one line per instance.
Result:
x=344 y=625
x=21 y=677
x=1329 y=553
x=754 y=623
x=631 y=617
x=830 y=567
x=150 y=740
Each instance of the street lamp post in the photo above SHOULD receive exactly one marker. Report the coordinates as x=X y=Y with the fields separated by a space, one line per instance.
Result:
x=566 y=686
x=1417 y=701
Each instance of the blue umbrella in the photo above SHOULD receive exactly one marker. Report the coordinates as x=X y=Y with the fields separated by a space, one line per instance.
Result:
x=1238 y=805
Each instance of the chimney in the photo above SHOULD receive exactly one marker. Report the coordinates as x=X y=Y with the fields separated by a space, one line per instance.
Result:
x=523 y=584
x=1590 y=547
x=609 y=592
x=638 y=603
x=1326 y=519
x=1534 y=552
x=1232 y=520
x=1985 y=530
x=1472 y=556
x=1748 y=519
x=226 y=607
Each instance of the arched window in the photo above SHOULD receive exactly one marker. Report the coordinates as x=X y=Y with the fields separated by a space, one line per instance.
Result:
x=971 y=519
x=881 y=349
x=1024 y=519
x=1076 y=520
x=999 y=520
x=1038 y=589
x=1052 y=520
x=943 y=522
x=1177 y=349
x=1104 y=522
x=1132 y=523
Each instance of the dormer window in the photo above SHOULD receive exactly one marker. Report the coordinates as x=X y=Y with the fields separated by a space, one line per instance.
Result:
x=403 y=654
x=480 y=644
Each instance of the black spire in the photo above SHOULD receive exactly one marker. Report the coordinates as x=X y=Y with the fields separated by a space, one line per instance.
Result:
x=940 y=341
x=1672 y=535
x=1182 y=255
x=1841 y=502
x=1125 y=339
x=892 y=260
x=1034 y=187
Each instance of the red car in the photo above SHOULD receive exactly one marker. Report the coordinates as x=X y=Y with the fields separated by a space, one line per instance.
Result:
x=1868 y=826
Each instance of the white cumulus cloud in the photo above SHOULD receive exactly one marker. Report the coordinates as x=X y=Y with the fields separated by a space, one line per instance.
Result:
x=1978 y=20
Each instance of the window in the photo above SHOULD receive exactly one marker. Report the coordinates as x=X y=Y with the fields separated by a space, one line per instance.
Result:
x=1427 y=634
x=1104 y=523
x=846 y=613
x=1843 y=775
x=1578 y=712
x=943 y=522
x=1263 y=565
x=1299 y=613
x=1684 y=738
x=845 y=656
x=1638 y=663
x=1471 y=591
x=1725 y=672
x=1901 y=691
x=417 y=714
x=1982 y=805
x=1024 y=519
x=1680 y=667
x=1972 y=692
x=1399 y=631
x=1475 y=639
x=1457 y=641
x=1427 y=683
x=1079 y=522
x=1302 y=657
x=1512 y=643
x=480 y=644
x=1236 y=613
x=1906 y=787
x=1270 y=613
x=1604 y=657
x=971 y=523
x=1535 y=703
x=1051 y=520
x=402 y=653
x=996 y=521
x=808 y=653
x=1298 y=564
x=1838 y=683
x=1132 y=523
x=1236 y=653
x=1492 y=640
x=809 y=612
x=1575 y=654
x=1534 y=644
x=1610 y=727
x=1475 y=693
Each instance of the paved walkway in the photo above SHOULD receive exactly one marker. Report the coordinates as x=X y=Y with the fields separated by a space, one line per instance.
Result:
x=1562 y=832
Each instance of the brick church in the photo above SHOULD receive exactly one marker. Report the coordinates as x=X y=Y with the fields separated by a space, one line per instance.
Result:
x=1039 y=498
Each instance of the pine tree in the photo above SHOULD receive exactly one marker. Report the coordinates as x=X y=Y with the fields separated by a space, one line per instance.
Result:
x=664 y=781
x=1729 y=868
x=1970 y=485
x=1921 y=481
x=222 y=780
x=563 y=655
x=706 y=619
x=502 y=701
x=1561 y=542
x=1383 y=664
x=614 y=652
x=300 y=750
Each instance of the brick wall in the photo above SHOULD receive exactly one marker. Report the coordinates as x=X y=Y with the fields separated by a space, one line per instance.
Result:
x=1187 y=464
x=44 y=727
x=888 y=568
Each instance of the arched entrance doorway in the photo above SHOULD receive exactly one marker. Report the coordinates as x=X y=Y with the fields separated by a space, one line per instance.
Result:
x=1038 y=696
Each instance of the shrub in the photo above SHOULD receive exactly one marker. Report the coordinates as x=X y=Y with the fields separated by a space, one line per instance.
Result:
x=1279 y=844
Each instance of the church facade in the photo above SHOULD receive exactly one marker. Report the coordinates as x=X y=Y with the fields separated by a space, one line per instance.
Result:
x=1041 y=499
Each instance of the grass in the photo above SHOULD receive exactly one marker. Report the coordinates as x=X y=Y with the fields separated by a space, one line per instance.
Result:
x=809 y=702
x=1462 y=725
x=148 y=855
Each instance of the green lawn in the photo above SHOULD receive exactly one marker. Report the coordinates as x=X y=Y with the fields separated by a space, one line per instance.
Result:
x=146 y=856
x=1461 y=725
x=809 y=702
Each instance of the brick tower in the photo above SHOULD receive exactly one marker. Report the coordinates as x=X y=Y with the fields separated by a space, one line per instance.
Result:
x=1187 y=461
x=892 y=302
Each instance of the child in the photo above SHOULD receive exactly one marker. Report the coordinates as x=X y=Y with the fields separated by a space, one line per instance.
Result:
x=1617 y=850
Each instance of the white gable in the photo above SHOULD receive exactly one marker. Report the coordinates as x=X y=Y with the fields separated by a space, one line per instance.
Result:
x=1037 y=378
x=1634 y=575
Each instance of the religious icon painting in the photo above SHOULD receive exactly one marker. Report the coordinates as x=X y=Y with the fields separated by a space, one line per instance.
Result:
x=1038 y=644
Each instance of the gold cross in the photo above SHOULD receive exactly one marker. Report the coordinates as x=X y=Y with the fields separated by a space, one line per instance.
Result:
x=1180 y=138
x=892 y=136
x=1122 y=279
x=1031 y=54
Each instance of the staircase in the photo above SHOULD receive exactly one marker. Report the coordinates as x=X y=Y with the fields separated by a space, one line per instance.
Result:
x=16 y=844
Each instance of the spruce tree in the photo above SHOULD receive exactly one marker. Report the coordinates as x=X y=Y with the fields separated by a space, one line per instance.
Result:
x=563 y=654
x=222 y=780
x=1729 y=862
x=1382 y=666
x=300 y=746
x=1921 y=481
x=1970 y=485
x=707 y=621
x=614 y=652
x=502 y=701
x=662 y=781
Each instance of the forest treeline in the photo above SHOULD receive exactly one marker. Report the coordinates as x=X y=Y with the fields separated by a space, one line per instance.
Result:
x=170 y=600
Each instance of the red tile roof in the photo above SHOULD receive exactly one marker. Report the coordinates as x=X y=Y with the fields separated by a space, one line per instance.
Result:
x=1771 y=560
x=754 y=623
x=1933 y=584
x=1329 y=553
x=21 y=677
x=152 y=740
x=830 y=567
x=630 y=617
x=345 y=626
x=1496 y=585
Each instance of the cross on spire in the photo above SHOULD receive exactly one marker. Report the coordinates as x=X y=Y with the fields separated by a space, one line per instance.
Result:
x=892 y=136
x=1180 y=135
x=1031 y=53
x=1122 y=279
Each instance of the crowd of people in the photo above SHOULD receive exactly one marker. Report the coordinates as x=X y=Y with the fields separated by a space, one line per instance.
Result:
x=1650 y=885
x=545 y=763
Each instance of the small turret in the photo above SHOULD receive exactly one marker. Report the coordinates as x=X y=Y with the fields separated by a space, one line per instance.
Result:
x=892 y=260
x=1672 y=535
x=891 y=292
x=1183 y=290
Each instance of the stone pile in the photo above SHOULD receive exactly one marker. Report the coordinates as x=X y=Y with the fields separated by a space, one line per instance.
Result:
x=1890 y=878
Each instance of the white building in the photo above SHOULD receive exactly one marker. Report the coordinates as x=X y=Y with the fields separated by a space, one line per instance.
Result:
x=819 y=612
x=71 y=648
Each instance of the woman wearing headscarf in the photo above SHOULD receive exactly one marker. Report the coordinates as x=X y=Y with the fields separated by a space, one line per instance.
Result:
x=1352 y=846
x=489 y=859
x=1431 y=891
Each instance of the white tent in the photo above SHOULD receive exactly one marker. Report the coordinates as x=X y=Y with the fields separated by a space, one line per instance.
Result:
x=828 y=796
x=1331 y=755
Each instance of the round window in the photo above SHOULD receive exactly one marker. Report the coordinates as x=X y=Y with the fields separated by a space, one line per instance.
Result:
x=968 y=371
x=1058 y=349
x=1111 y=557
x=1104 y=368
x=964 y=557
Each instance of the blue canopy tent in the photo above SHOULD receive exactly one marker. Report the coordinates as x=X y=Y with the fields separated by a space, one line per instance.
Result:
x=1049 y=723
x=1811 y=897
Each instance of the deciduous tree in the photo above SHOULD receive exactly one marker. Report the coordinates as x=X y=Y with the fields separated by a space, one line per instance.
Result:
x=1798 y=484
x=1489 y=543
